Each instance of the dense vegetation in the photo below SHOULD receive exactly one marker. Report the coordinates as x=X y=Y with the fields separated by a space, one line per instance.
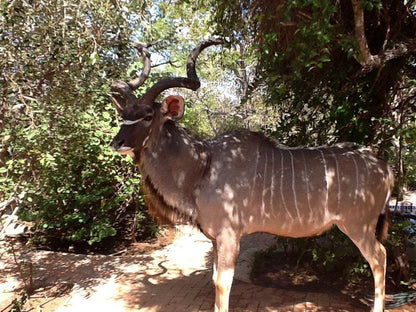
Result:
x=301 y=71
x=336 y=71
x=56 y=120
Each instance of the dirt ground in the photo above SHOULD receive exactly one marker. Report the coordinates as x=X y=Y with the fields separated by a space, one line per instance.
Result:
x=172 y=273
x=292 y=274
x=51 y=277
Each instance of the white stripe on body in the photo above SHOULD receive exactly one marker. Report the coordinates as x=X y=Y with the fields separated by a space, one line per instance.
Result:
x=308 y=193
x=272 y=185
x=354 y=202
x=326 y=181
x=338 y=179
x=253 y=184
x=281 y=184
x=293 y=185
x=264 y=189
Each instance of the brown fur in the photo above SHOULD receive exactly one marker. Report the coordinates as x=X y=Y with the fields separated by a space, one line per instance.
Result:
x=241 y=183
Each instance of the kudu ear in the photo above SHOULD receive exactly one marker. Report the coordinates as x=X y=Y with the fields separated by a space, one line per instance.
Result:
x=173 y=107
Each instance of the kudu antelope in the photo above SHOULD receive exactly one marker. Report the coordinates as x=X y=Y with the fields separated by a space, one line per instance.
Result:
x=241 y=182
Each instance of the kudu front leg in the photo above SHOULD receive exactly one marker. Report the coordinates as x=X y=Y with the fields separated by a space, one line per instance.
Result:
x=225 y=249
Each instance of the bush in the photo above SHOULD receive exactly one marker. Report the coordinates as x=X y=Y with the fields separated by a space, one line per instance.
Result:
x=56 y=120
x=74 y=185
x=334 y=252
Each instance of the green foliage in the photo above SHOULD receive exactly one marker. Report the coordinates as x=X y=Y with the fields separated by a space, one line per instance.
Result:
x=88 y=207
x=409 y=153
x=18 y=303
x=71 y=184
x=311 y=39
x=308 y=63
x=330 y=252
x=400 y=232
x=57 y=122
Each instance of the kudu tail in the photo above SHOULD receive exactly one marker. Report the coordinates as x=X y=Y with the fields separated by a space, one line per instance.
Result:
x=383 y=223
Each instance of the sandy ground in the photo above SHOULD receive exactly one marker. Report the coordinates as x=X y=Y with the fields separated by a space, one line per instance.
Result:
x=73 y=282
x=138 y=280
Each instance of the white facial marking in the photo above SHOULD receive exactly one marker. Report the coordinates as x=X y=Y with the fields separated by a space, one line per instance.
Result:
x=131 y=122
x=146 y=138
x=147 y=123
x=124 y=148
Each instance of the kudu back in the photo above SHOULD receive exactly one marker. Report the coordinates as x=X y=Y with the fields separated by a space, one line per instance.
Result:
x=242 y=182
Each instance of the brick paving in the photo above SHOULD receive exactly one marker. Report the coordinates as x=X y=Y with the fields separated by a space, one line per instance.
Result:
x=173 y=279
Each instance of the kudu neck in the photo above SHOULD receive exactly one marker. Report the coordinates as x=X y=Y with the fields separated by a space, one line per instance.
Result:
x=171 y=139
x=175 y=163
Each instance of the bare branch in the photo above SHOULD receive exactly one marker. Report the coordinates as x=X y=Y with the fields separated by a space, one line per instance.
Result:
x=169 y=62
x=398 y=50
x=370 y=61
x=368 y=58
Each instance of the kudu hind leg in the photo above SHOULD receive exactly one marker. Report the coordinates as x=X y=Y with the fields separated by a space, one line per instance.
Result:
x=226 y=250
x=375 y=254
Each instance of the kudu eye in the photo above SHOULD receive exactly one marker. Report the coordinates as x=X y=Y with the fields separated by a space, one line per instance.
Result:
x=148 y=118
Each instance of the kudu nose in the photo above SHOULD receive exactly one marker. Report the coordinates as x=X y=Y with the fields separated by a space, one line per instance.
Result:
x=116 y=144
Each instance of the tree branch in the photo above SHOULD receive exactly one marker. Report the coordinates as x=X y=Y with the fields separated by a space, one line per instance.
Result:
x=3 y=101
x=360 y=32
x=167 y=62
x=370 y=61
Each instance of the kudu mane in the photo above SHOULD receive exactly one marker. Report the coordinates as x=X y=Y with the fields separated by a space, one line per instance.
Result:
x=164 y=213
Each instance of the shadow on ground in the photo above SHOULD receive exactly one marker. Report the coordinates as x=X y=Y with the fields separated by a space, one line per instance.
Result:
x=175 y=278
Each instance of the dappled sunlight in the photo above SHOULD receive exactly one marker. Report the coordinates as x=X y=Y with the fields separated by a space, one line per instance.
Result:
x=241 y=182
x=99 y=298
x=293 y=192
x=250 y=185
x=175 y=278
x=8 y=284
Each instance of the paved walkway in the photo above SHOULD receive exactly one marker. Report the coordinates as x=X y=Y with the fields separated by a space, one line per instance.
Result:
x=173 y=279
